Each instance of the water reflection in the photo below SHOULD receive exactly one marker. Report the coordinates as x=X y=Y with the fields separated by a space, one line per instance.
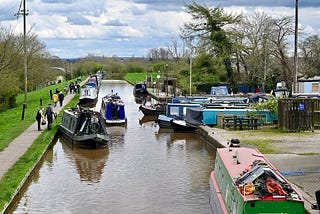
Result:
x=148 y=120
x=90 y=163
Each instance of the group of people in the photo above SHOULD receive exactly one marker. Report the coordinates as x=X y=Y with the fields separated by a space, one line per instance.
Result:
x=73 y=87
x=45 y=117
x=58 y=96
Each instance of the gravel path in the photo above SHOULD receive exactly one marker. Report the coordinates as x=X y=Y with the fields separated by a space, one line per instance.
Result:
x=283 y=143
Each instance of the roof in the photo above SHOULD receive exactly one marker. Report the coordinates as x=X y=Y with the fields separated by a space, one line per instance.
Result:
x=310 y=79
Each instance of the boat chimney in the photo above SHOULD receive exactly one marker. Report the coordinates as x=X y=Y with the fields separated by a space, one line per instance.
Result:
x=234 y=143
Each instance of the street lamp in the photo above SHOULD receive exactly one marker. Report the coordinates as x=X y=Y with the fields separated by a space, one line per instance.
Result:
x=158 y=83
x=295 y=81
x=190 y=75
x=189 y=54
x=167 y=79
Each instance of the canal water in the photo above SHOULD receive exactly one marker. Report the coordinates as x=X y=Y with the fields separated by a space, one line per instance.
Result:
x=144 y=170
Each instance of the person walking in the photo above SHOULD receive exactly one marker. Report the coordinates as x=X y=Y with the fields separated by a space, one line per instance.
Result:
x=49 y=114
x=66 y=90
x=40 y=118
x=72 y=88
x=61 y=98
x=55 y=99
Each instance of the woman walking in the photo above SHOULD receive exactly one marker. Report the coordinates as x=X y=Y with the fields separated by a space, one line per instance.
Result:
x=40 y=118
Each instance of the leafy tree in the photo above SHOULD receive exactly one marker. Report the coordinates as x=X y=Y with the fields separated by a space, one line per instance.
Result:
x=209 y=27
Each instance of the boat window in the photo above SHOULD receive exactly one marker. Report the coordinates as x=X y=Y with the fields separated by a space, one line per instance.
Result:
x=174 y=111
x=234 y=206
x=227 y=193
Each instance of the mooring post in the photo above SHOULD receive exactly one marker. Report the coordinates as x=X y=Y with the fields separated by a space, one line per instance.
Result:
x=23 y=110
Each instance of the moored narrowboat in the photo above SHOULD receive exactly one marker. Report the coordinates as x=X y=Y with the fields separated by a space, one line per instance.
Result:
x=113 y=110
x=159 y=108
x=88 y=97
x=84 y=127
x=244 y=181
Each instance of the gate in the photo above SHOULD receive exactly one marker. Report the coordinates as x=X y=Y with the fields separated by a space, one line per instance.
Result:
x=296 y=114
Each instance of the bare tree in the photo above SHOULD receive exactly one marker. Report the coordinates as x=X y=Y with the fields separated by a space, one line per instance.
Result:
x=310 y=53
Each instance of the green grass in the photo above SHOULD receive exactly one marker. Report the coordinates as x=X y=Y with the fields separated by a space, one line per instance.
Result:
x=12 y=125
x=265 y=146
x=140 y=77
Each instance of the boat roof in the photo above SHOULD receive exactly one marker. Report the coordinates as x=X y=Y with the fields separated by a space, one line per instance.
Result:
x=237 y=159
x=246 y=165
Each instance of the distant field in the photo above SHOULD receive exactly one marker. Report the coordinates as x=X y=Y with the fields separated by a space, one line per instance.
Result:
x=140 y=77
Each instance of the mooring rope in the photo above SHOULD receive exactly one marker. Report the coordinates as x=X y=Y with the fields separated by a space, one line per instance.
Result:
x=298 y=172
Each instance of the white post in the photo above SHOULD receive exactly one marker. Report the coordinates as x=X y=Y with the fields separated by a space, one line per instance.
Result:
x=190 y=74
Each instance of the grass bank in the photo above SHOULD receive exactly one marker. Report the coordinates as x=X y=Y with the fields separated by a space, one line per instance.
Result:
x=132 y=78
x=12 y=180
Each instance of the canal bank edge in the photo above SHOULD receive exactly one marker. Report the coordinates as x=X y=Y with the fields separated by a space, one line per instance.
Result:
x=48 y=141
x=216 y=139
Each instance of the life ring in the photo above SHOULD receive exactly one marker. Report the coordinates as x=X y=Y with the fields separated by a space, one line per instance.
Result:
x=94 y=126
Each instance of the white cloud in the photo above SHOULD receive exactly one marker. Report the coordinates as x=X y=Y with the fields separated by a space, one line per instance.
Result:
x=75 y=28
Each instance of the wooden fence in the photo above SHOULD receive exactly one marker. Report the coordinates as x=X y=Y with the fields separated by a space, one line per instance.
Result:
x=299 y=114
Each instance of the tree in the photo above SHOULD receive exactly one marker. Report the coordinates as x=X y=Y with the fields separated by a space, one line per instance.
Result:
x=262 y=57
x=209 y=27
x=282 y=29
x=310 y=53
x=10 y=62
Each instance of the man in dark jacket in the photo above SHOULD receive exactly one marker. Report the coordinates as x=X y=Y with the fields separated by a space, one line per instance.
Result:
x=49 y=114
x=61 y=98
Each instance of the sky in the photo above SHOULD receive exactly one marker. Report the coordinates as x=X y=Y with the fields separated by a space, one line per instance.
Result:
x=126 y=28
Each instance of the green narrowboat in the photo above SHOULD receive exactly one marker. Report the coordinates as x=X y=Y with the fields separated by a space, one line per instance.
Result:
x=245 y=182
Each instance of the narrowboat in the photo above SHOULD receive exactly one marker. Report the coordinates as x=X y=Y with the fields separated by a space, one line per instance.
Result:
x=88 y=97
x=140 y=88
x=159 y=108
x=176 y=116
x=190 y=123
x=113 y=110
x=245 y=182
x=84 y=127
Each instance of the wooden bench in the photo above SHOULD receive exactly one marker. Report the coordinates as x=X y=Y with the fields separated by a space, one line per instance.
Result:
x=233 y=122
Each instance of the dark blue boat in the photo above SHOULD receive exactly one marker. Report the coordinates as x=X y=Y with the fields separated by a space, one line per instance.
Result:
x=113 y=110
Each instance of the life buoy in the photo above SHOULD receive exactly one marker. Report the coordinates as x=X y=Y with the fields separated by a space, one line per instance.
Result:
x=94 y=126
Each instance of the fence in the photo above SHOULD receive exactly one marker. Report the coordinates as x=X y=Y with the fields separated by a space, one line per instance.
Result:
x=298 y=114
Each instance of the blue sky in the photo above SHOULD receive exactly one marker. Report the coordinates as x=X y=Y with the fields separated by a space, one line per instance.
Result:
x=77 y=28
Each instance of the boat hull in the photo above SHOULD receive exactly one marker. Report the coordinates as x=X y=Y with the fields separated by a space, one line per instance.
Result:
x=148 y=110
x=164 y=121
x=181 y=126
